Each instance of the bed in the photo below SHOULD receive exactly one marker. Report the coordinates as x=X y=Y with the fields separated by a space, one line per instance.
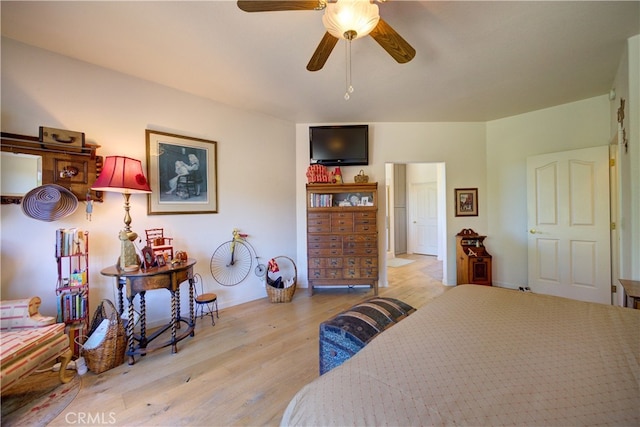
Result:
x=485 y=356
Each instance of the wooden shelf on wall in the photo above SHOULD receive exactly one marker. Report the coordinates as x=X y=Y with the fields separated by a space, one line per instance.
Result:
x=75 y=169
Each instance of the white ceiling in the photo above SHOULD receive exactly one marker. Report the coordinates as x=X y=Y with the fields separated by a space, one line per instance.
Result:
x=475 y=61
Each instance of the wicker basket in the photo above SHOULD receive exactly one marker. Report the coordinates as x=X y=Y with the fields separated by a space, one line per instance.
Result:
x=282 y=294
x=110 y=353
x=361 y=178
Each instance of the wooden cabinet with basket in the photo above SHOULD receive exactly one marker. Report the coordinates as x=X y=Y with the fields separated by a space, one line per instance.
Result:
x=342 y=235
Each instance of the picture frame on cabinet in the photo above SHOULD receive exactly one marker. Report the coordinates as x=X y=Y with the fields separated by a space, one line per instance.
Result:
x=466 y=200
x=147 y=258
x=160 y=260
x=182 y=173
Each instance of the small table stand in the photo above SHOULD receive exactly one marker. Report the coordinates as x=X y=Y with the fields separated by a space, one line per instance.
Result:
x=139 y=282
x=632 y=291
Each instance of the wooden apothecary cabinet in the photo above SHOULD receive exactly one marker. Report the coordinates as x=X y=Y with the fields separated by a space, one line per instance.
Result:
x=342 y=235
x=473 y=261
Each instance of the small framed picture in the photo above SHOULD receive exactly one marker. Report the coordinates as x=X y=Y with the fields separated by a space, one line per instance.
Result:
x=160 y=260
x=466 y=201
x=364 y=201
x=147 y=257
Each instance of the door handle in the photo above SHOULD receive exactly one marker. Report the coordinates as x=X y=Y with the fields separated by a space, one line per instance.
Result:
x=534 y=231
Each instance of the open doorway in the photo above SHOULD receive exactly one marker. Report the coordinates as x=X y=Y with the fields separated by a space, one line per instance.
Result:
x=415 y=213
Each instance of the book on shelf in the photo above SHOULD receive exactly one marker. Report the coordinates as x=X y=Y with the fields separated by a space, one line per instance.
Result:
x=321 y=200
x=69 y=241
x=72 y=307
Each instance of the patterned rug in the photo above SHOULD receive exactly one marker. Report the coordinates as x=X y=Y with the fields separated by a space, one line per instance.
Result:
x=38 y=399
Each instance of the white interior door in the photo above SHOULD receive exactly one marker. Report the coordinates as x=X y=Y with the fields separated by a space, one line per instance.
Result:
x=424 y=218
x=568 y=221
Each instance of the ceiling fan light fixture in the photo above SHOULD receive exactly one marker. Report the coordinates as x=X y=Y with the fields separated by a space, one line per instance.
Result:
x=345 y=17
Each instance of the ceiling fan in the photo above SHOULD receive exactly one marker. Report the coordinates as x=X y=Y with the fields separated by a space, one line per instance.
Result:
x=367 y=22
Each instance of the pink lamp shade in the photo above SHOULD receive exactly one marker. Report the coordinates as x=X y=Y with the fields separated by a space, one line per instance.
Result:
x=122 y=175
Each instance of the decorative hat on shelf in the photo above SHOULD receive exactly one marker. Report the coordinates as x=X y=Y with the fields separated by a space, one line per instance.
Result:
x=49 y=202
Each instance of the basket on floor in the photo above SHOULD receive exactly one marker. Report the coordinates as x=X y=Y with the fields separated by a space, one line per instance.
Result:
x=110 y=351
x=282 y=294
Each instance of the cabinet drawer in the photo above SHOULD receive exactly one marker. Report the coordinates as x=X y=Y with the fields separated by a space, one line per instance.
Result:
x=365 y=221
x=325 y=244
x=369 y=262
x=359 y=238
x=360 y=245
x=365 y=215
x=360 y=248
x=318 y=222
x=325 y=252
x=361 y=261
x=342 y=215
x=364 y=228
x=360 y=273
x=325 y=263
x=325 y=273
x=317 y=215
x=369 y=273
x=360 y=251
x=351 y=261
x=341 y=223
x=143 y=284
x=324 y=238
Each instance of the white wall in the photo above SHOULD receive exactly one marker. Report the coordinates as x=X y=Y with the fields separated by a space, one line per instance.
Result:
x=256 y=177
x=627 y=87
x=461 y=146
x=509 y=142
x=632 y=216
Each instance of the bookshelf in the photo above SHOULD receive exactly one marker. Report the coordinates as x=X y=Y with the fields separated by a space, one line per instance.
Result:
x=72 y=287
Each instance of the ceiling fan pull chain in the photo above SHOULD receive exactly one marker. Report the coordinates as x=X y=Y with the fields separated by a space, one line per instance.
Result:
x=349 y=86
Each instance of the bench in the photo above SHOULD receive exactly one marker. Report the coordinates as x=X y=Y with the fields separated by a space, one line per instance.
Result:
x=29 y=340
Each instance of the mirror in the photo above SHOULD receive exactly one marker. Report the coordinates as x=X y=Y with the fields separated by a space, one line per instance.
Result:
x=21 y=173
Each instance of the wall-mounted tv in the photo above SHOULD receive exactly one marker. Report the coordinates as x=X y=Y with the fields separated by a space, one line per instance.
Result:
x=339 y=145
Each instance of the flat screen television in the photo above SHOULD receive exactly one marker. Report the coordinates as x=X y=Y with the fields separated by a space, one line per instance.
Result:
x=339 y=145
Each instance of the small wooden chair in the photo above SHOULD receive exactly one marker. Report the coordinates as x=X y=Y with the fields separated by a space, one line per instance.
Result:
x=189 y=185
x=158 y=243
x=205 y=300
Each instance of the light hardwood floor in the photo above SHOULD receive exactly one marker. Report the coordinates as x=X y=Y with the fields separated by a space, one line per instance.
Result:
x=242 y=371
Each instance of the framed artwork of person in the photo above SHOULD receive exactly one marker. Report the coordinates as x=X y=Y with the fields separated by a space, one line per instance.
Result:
x=182 y=173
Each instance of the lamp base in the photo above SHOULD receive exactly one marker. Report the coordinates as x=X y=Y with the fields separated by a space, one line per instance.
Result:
x=129 y=260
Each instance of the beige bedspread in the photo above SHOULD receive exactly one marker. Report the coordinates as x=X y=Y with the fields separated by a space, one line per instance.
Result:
x=483 y=356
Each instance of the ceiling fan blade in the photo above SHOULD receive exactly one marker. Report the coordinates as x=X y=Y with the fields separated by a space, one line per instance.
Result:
x=392 y=42
x=322 y=52
x=277 y=6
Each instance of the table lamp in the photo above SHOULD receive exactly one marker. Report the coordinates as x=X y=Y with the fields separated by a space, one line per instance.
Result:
x=124 y=175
